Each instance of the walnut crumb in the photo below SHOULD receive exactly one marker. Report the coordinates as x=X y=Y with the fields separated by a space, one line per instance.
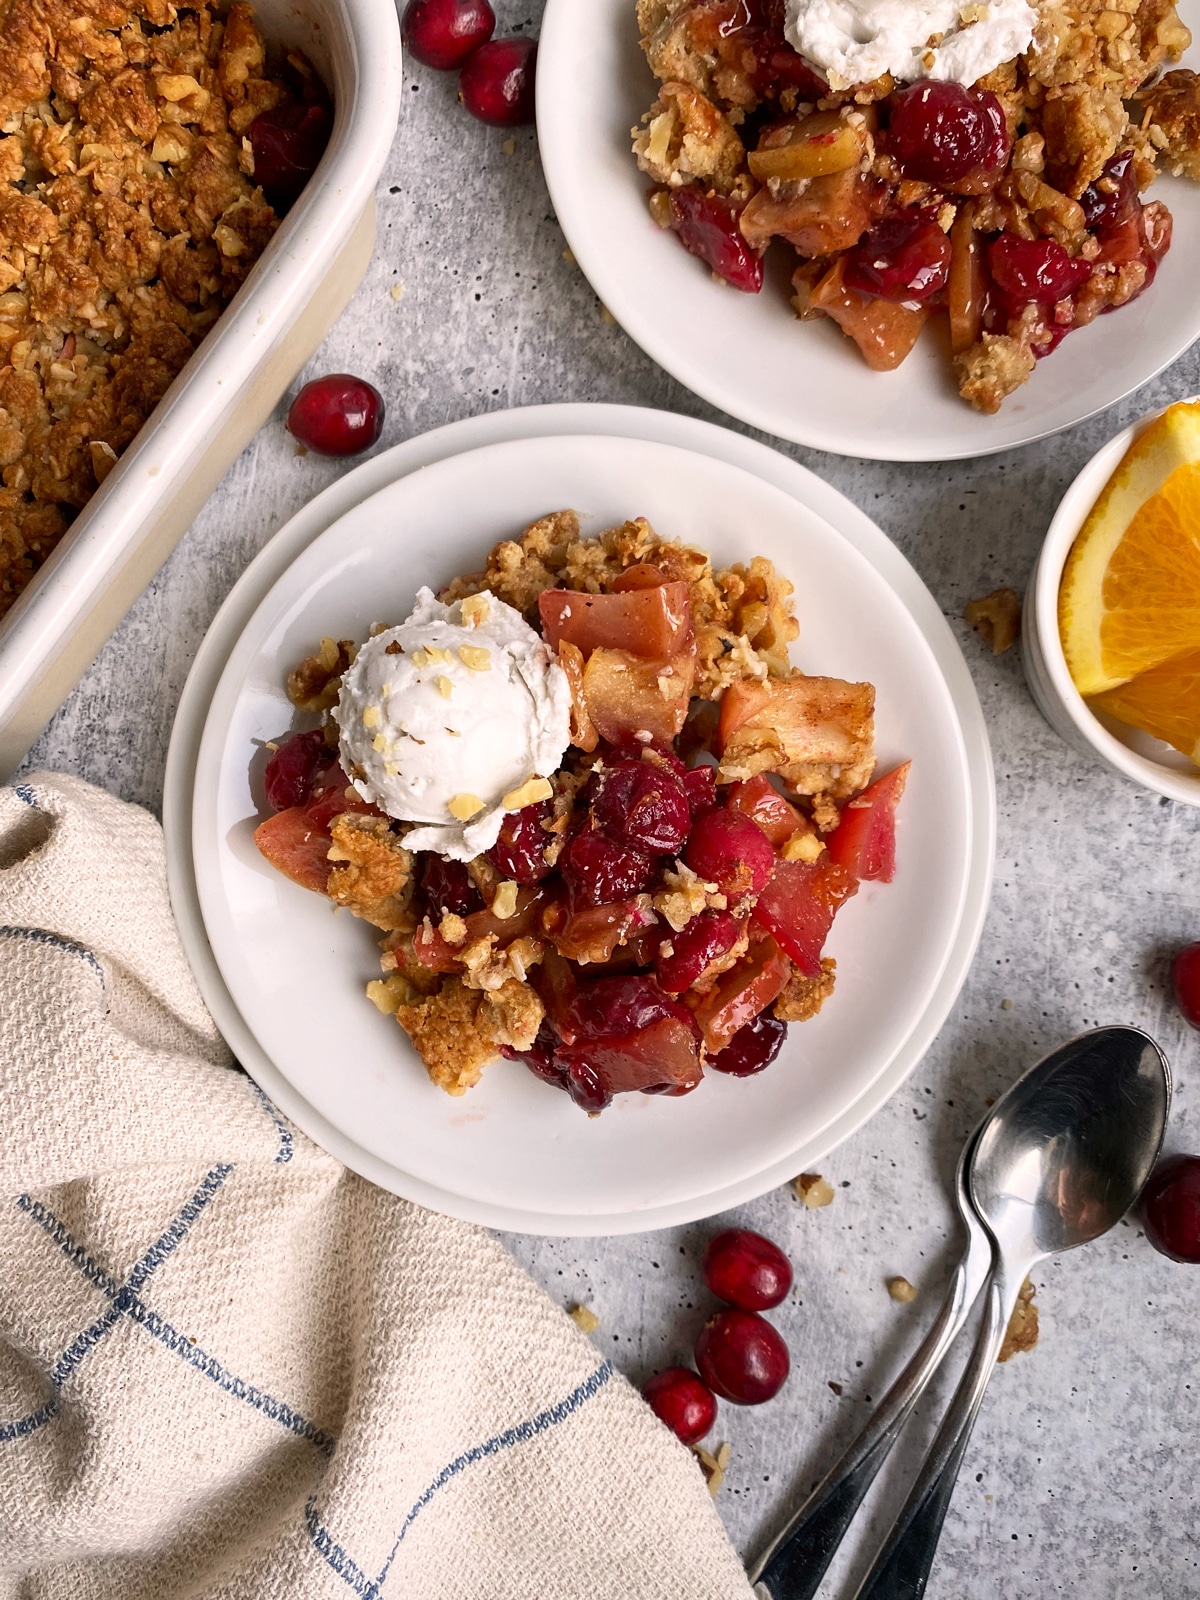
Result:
x=996 y=618
x=713 y=1466
x=584 y=1318
x=1022 y=1331
x=900 y=1289
x=813 y=1189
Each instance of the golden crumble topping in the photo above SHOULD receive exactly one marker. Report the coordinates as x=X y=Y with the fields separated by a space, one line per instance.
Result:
x=128 y=219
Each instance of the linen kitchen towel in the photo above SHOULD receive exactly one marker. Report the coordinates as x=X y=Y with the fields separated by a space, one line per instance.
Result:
x=231 y=1368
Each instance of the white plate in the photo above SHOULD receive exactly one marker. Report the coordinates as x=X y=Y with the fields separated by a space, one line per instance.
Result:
x=747 y=353
x=286 y=985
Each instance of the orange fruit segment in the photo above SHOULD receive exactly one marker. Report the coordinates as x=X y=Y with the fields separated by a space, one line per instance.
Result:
x=1130 y=594
x=1164 y=702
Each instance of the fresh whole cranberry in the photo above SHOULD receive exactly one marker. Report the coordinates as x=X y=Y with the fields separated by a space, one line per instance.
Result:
x=449 y=887
x=942 y=132
x=746 y=1270
x=642 y=805
x=729 y=849
x=1185 y=981
x=286 y=144
x=496 y=83
x=520 y=851
x=707 y=226
x=904 y=257
x=600 y=871
x=337 y=415
x=443 y=33
x=753 y=1047
x=289 y=774
x=1113 y=198
x=679 y=1398
x=1171 y=1208
x=694 y=948
x=742 y=1357
x=1026 y=270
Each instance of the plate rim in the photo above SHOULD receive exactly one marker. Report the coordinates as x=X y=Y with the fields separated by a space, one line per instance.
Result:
x=610 y=288
x=614 y=421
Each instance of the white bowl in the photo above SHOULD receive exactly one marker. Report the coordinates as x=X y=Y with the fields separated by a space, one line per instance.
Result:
x=1129 y=751
x=286 y=984
x=747 y=353
x=231 y=383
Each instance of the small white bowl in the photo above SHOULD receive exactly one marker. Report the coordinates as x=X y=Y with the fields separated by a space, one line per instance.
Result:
x=1135 y=755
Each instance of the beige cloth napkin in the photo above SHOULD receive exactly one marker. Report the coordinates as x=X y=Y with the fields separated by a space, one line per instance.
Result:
x=231 y=1368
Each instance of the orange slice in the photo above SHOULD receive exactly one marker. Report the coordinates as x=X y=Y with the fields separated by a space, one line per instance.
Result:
x=1164 y=701
x=1130 y=594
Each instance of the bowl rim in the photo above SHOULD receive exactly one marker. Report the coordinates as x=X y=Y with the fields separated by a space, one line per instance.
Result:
x=1068 y=519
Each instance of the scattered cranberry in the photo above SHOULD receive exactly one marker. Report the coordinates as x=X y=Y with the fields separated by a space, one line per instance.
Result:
x=1171 y=1208
x=337 y=415
x=1113 y=198
x=694 y=948
x=1034 y=269
x=753 y=1047
x=449 y=887
x=497 y=82
x=942 y=132
x=443 y=33
x=707 y=226
x=287 y=144
x=742 y=1357
x=729 y=849
x=746 y=1270
x=520 y=851
x=904 y=257
x=1185 y=980
x=601 y=871
x=678 y=1398
x=642 y=805
x=288 y=779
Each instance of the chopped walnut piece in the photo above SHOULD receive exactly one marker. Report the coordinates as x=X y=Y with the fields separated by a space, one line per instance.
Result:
x=1022 y=1331
x=996 y=618
x=314 y=684
x=900 y=1289
x=1171 y=110
x=814 y=1190
x=584 y=1318
x=714 y=1467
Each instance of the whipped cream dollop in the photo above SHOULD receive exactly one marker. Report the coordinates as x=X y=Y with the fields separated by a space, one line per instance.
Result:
x=452 y=719
x=856 y=41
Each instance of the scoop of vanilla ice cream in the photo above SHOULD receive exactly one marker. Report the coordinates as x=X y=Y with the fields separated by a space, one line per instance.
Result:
x=450 y=719
x=856 y=41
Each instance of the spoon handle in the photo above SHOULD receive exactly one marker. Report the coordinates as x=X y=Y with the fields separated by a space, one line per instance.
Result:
x=901 y=1569
x=795 y=1563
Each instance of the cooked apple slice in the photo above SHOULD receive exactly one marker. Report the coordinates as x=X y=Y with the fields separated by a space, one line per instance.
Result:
x=818 y=734
x=884 y=330
x=820 y=217
x=812 y=147
x=631 y=700
x=654 y=622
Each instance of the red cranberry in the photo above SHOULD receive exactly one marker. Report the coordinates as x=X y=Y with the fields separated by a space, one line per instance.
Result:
x=700 y=784
x=678 y=1398
x=742 y=1357
x=731 y=850
x=448 y=887
x=746 y=1270
x=1185 y=980
x=520 y=851
x=287 y=144
x=753 y=1047
x=1113 y=198
x=601 y=871
x=904 y=257
x=541 y=1057
x=943 y=132
x=1171 y=1208
x=694 y=949
x=586 y=1087
x=1034 y=269
x=707 y=226
x=337 y=415
x=443 y=33
x=497 y=82
x=289 y=774
x=642 y=805
x=614 y=1006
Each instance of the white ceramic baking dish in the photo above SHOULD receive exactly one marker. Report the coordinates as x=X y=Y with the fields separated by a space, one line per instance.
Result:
x=229 y=387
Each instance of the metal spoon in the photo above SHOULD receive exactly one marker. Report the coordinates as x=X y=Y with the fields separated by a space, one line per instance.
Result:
x=1063 y=1156
x=793 y=1565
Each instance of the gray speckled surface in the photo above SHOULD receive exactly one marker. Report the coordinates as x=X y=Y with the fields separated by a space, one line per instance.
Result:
x=1081 y=1479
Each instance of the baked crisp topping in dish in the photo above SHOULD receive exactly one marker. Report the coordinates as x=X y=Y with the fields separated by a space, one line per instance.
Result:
x=602 y=822
x=1010 y=202
x=130 y=212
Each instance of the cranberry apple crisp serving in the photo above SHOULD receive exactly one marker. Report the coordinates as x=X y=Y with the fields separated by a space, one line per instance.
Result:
x=147 y=151
x=602 y=822
x=984 y=168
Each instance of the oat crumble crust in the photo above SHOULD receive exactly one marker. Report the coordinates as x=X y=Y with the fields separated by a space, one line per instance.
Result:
x=128 y=219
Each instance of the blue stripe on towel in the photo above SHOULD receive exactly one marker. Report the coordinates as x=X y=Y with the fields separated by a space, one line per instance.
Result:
x=285 y=1133
x=353 y=1575
x=57 y=942
x=24 y=793
x=125 y=1301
